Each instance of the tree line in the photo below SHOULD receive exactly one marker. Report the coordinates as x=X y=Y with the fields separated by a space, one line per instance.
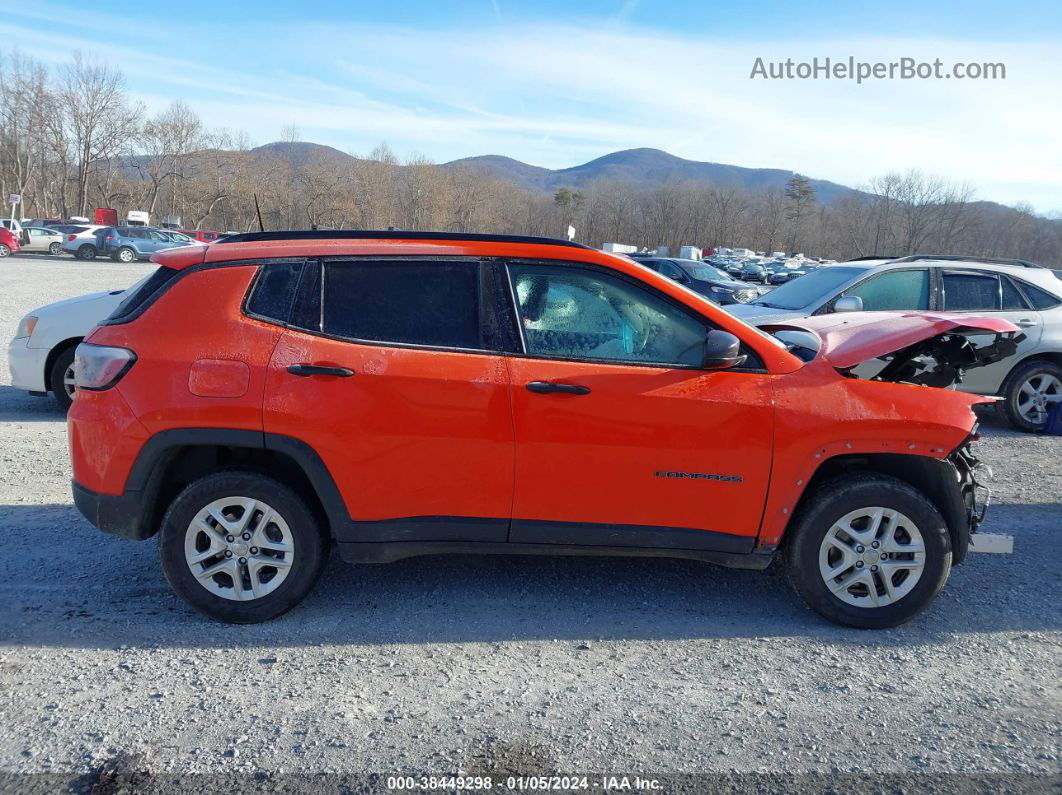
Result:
x=72 y=138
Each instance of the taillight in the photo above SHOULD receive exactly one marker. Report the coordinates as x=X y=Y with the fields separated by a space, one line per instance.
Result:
x=99 y=367
x=71 y=236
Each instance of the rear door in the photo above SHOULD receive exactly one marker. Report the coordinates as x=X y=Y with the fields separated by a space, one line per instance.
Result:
x=621 y=438
x=390 y=371
x=987 y=293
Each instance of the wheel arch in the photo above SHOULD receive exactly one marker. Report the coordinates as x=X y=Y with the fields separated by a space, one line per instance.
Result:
x=58 y=349
x=938 y=480
x=170 y=460
x=1051 y=357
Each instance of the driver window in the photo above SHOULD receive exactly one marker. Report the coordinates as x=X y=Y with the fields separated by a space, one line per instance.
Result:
x=582 y=314
x=894 y=290
x=159 y=236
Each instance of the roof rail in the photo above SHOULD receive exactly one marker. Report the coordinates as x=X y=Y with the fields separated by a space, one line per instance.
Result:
x=1020 y=263
x=870 y=256
x=395 y=234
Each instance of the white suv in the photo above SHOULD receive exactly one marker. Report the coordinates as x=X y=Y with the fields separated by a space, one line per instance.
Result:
x=1028 y=295
x=41 y=355
x=83 y=244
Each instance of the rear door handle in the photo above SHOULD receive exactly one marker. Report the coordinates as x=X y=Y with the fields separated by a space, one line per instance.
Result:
x=546 y=387
x=304 y=370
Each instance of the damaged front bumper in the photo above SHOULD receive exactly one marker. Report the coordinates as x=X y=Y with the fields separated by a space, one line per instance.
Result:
x=973 y=475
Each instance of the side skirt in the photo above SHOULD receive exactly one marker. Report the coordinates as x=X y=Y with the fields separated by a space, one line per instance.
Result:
x=387 y=552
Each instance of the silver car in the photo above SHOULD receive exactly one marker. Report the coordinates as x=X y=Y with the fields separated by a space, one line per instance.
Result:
x=1025 y=294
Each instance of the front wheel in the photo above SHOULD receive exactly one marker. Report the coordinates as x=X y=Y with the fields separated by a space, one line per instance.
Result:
x=241 y=547
x=55 y=249
x=62 y=378
x=868 y=551
x=125 y=254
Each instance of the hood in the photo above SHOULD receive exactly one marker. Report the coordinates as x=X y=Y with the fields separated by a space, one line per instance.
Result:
x=80 y=299
x=933 y=349
x=757 y=315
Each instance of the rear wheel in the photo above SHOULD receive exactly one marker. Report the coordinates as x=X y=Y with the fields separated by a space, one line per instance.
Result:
x=5 y=250
x=61 y=378
x=1029 y=393
x=868 y=551
x=241 y=547
x=86 y=251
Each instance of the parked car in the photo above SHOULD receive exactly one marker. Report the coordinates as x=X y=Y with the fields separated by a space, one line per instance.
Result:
x=41 y=354
x=83 y=242
x=202 y=235
x=702 y=278
x=131 y=243
x=1025 y=294
x=15 y=227
x=9 y=242
x=245 y=402
x=43 y=239
x=754 y=272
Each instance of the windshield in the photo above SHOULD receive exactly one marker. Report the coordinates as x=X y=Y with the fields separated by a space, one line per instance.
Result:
x=809 y=288
x=708 y=273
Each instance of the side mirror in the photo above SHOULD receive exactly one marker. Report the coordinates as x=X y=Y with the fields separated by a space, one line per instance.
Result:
x=678 y=277
x=848 y=303
x=722 y=350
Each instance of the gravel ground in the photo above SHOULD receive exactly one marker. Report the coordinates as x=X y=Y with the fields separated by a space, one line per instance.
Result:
x=524 y=665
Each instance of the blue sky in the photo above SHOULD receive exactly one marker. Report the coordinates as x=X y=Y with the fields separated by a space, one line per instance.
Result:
x=558 y=83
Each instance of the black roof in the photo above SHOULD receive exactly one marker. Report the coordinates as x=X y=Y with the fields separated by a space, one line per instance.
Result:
x=395 y=234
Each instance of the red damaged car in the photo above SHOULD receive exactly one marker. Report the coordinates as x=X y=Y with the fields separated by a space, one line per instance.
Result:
x=405 y=393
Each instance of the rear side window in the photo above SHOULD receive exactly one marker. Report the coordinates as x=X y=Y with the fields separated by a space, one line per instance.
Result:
x=1040 y=299
x=415 y=303
x=139 y=294
x=969 y=291
x=274 y=290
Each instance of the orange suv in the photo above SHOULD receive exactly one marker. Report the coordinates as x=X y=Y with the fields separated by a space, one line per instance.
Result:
x=404 y=393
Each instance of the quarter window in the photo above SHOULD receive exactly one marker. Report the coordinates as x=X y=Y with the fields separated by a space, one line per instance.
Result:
x=1041 y=299
x=274 y=291
x=893 y=290
x=582 y=314
x=416 y=303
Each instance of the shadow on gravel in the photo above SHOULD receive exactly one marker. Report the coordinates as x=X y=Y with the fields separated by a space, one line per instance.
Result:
x=19 y=406
x=68 y=585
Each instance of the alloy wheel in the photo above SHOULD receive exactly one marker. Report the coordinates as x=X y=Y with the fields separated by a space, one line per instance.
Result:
x=1036 y=395
x=872 y=557
x=68 y=382
x=239 y=548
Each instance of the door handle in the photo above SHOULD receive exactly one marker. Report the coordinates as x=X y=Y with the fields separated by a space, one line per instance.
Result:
x=1026 y=322
x=546 y=387
x=304 y=370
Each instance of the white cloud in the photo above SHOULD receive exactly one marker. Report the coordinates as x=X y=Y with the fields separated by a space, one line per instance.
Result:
x=556 y=95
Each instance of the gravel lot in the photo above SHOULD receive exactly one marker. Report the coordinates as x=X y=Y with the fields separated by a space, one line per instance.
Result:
x=523 y=665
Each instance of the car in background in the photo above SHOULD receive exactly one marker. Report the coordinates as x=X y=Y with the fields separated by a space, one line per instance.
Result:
x=15 y=227
x=83 y=243
x=202 y=235
x=41 y=354
x=709 y=281
x=43 y=239
x=754 y=272
x=1027 y=295
x=132 y=243
x=9 y=242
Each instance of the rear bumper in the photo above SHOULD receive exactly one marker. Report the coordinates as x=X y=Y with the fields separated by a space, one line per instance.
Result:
x=119 y=514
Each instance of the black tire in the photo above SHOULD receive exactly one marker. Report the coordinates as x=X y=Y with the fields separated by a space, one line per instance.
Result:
x=55 y=249
x=56 y=378
x=309 y=556
x=1012 y=389
x=5 y=250
x=86 y=251
x=834 y=499
x=124 y=254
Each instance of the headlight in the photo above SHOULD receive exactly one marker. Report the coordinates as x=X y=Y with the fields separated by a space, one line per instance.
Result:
x=742 y=296
x=26 y=326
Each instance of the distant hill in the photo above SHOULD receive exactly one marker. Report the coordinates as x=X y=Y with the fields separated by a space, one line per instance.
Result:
x=642 y=168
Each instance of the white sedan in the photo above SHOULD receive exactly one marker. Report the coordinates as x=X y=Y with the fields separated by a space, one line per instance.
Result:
x=41 y=355
x=43 y=240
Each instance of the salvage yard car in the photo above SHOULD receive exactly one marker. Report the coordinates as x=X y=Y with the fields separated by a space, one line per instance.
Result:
x=709 y=281
x=1028 y=381
x=418 y=393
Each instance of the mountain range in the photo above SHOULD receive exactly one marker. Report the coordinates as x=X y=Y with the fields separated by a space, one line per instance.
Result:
x=641 y=168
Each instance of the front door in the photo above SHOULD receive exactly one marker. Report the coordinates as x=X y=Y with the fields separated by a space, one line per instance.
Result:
x=622 y=439
x=392 y=382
